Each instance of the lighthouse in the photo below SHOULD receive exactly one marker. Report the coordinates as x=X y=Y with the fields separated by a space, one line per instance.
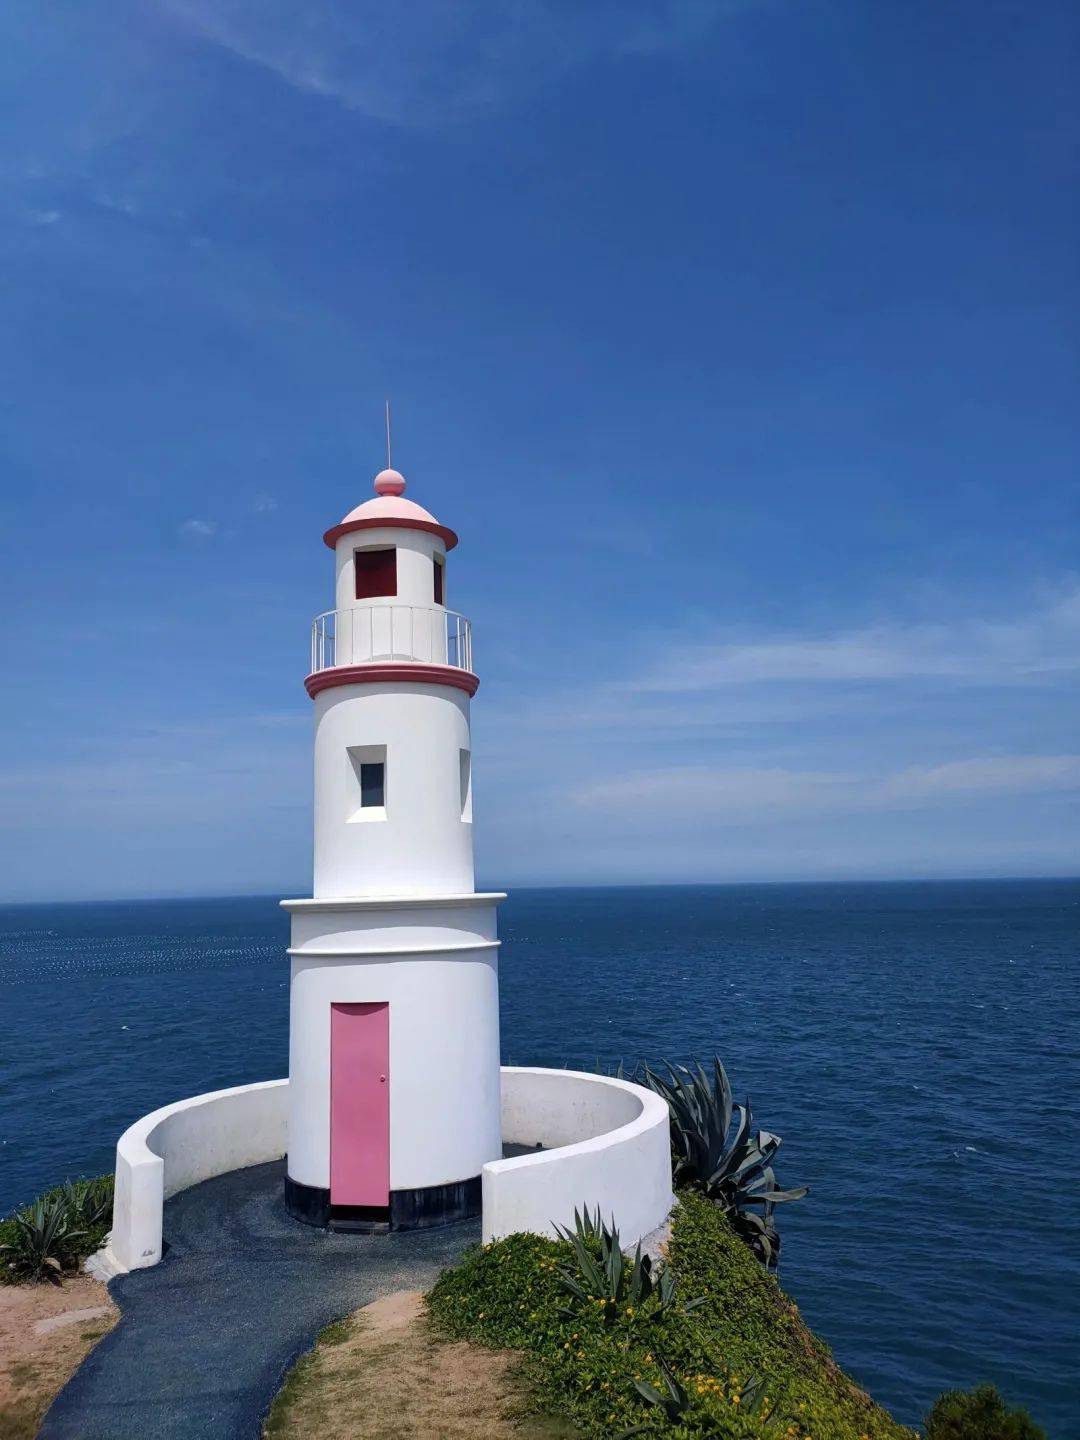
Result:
x=394 y=1100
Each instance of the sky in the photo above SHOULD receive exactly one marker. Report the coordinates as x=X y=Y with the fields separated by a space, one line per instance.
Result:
x=737 y=339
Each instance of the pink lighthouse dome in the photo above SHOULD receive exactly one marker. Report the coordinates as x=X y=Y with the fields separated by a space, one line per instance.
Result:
x=390 y=509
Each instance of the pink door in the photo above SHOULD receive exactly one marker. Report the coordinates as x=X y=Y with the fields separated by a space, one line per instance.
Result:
x=360 y=1104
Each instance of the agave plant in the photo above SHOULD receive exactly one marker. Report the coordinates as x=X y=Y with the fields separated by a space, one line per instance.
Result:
x=675 y=1403
x=732 y=1165
x=89 y=1202
x=43 y=1240
x=603 y=1275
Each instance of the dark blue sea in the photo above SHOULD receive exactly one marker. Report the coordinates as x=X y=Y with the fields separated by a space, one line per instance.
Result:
x=915 y=1044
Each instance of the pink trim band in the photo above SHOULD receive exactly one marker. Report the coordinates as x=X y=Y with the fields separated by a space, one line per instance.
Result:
x=390 y=522
x=379 y=674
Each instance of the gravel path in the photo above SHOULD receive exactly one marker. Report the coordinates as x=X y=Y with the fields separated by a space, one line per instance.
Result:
x=205 y=1337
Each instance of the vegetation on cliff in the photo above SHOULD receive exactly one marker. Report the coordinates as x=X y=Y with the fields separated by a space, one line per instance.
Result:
x=727 y=1355
x=55 y=1233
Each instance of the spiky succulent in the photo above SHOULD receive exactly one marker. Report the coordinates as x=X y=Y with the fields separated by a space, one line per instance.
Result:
x=89 y=1202
x=602 y=1274
x=43 y=1241
x=731 y=1163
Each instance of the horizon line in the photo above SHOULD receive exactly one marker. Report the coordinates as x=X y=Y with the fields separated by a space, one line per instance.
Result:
x=275 y=895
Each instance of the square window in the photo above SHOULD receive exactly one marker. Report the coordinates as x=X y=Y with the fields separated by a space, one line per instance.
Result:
x=372 y=783
x=376 y=572
x=366 y=783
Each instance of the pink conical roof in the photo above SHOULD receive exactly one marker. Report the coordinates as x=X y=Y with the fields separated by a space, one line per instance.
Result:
x=390 y=508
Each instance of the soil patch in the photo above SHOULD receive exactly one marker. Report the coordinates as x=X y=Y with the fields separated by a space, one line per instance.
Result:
x=382 y=1375
x=45 y=1332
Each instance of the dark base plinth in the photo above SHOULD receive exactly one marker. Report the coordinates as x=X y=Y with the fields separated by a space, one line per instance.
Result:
x=408 y=1209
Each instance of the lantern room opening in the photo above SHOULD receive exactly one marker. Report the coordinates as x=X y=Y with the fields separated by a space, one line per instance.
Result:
x=376 y=572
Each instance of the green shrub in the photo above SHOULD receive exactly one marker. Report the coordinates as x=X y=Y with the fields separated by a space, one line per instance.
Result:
x=979 y=1414
x=715 y=1149
x=89 y=1201
x=42 y=1241
x=57 y=1231
x=741 y=1363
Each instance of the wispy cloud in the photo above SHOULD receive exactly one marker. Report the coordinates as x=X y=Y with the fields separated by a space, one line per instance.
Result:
x=437 y=61
x=197 y=529
x=718 y=793
x=1042 y=643
x=988 y=775
x=263 y=504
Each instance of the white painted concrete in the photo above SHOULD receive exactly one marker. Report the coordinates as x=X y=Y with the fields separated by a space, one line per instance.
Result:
x=181 y=1145
x=434 y=960
x=611 y=1138
x=612 y=1150
x=424 y=845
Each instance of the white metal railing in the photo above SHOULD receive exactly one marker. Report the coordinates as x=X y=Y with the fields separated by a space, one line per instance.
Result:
x=381 y=632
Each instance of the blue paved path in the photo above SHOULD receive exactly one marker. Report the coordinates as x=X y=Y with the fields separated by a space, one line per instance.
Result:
x=205 y=1337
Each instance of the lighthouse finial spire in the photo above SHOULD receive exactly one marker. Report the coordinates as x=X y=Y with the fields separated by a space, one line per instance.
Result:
x=389 y=481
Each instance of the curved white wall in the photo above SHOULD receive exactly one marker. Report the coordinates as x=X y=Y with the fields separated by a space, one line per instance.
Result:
x=182 y=1144
x=423 y=846
x=613 y=1150
x=612 y=1138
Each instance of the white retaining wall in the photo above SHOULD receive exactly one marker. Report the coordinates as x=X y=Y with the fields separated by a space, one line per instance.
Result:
x=613 y=1152
x=606 y=1144
x=182 y=1144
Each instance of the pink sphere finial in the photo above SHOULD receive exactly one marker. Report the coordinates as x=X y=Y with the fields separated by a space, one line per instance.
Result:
x=389 y=482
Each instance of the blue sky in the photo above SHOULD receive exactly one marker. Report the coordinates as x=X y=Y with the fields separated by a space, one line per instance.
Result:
x=737 y=341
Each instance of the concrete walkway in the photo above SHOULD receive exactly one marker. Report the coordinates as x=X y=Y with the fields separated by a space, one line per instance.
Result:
x=205 y=1337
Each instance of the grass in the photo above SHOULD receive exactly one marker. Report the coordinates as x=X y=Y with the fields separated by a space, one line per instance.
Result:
x=382 y=1374
x=584 y=1360
x=300 y=1381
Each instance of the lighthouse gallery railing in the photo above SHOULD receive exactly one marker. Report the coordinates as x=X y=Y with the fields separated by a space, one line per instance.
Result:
x=383 y=632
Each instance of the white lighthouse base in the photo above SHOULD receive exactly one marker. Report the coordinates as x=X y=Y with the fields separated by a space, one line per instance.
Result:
x=429 y=963
x=605 y=1144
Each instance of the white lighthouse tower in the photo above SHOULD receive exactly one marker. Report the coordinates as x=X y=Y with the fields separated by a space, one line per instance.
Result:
x=394 y=1006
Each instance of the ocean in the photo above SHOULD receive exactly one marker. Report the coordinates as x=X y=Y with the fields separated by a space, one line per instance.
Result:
x=915 y=1044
